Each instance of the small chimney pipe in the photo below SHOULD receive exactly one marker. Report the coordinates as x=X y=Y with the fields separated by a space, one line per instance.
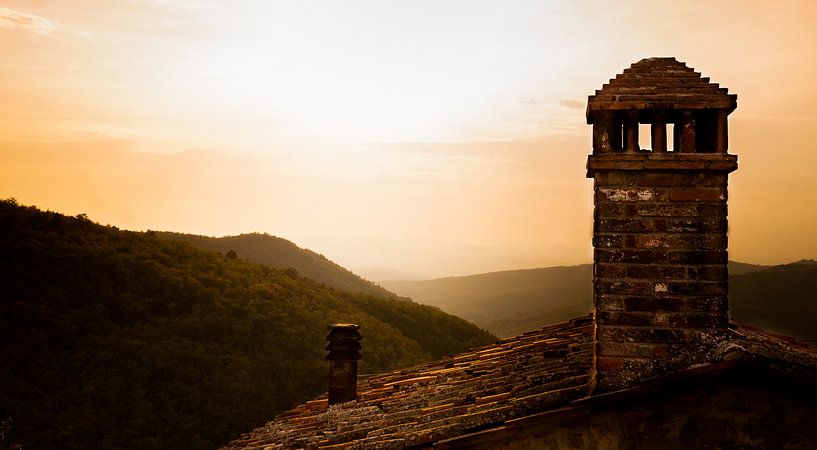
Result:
x=343 y=347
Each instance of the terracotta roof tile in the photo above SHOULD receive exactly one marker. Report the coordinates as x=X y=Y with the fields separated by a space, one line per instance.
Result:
x=538 y=377
x=456 y=395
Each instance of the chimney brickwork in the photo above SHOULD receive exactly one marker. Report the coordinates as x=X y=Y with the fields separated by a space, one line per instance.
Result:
x=660 y=221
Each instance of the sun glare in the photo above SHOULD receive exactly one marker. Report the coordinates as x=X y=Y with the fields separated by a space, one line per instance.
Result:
x=328 y=106
x=341 y=96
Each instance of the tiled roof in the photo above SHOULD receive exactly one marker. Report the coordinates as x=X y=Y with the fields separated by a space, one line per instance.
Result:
x=660 y=83
x=773 y=352
x=534 y=372
x=540 y=376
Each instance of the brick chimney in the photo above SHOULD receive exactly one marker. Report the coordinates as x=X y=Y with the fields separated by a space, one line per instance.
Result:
x=343 y=345
x=659 y=229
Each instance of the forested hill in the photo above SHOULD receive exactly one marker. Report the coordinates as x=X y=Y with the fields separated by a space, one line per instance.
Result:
x=509 y=302
x=281 y=253
x=779 y=298
x=116 y=339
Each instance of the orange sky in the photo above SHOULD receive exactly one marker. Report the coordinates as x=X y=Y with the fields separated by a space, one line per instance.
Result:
x=447 y=121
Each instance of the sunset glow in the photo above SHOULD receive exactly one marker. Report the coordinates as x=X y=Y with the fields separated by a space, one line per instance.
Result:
x=449 y=121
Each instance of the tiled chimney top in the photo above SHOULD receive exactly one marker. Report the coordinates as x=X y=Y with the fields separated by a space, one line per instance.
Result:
x=660 y=91
x=655 y=84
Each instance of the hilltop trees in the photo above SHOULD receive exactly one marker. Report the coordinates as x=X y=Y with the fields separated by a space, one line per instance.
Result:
x=119 y=339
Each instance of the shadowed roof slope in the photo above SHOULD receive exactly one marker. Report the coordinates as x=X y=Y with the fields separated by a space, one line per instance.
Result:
x=660 y=83
x=540 y=376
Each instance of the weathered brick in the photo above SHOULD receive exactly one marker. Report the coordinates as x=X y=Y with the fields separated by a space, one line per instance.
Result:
x=609 y=270
x=661 y=289
x=664 y=179
x=657 y=179
x=633 y=349
x=620 y=287
x=690 y=195
x=656 y=272
x=619 y=194
x=652 y=303
x=686 y=209
x=710 y=179
x=709 y=241
x=681 y=241
x=627 y=256
x=707 y=209
x=612 y=177
x=607 y=302
x=624 y=318
x=698 y=288
x=691 y=257
x=718 y=304
x=690 y=320
x=645 y=334
x=611 y=348
x=664 y=241
x=662 y=195
x=690 y=225
x=657 y=350
x=711 y=273
x=608 y=241
x=623 y=225
x=611 y=209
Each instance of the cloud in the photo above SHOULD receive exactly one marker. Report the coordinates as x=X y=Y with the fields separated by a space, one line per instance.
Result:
x=529 y=101
x=572 y=104
x=10 y=18
x=555 y=157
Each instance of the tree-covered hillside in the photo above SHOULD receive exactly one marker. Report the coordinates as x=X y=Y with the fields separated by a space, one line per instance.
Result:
x=112 y=338
x=281 y=253
x=779 y=298
x=509 y=302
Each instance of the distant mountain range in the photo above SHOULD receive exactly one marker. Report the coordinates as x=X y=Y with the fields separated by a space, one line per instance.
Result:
x=781 y=298
x=281 y=253
x=430 y=257
x=384 y=273
x=119 y=339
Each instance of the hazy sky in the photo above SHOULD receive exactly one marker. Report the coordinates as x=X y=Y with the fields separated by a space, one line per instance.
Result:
x=454 y=121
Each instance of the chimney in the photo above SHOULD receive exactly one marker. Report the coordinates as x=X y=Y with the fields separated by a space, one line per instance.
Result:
x=659 y=229
x=343 y=355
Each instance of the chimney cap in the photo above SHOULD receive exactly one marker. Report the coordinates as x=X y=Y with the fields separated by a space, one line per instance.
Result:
x=343 y=326
x=659 y=84
x=343 y=342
